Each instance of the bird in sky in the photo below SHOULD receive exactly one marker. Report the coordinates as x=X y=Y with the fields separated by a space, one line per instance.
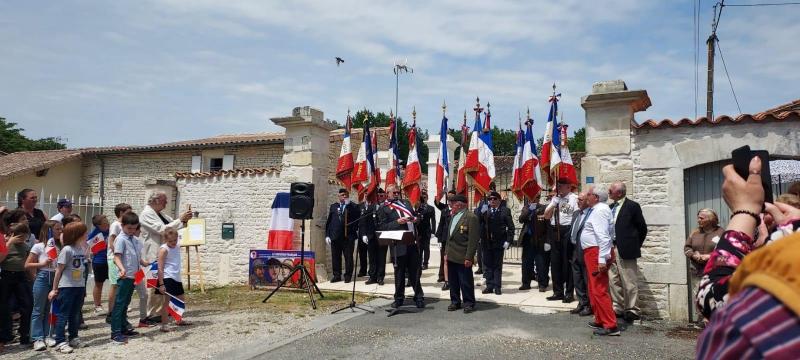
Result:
x=339 y=61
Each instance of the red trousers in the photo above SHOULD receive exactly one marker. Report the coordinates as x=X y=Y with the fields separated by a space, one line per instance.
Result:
x=598 y=289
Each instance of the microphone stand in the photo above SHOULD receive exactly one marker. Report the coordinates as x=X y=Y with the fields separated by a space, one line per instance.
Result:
x=352 y=306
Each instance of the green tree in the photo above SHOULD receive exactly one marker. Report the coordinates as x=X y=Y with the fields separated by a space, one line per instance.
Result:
x=577 y=143
x=12 y=140
x=382 y=120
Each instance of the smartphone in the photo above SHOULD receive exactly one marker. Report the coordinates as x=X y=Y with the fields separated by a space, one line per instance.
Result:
x=741 y=163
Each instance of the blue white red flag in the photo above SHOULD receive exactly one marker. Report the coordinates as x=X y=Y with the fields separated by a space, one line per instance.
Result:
x=55 y=309
x=531 y=175
x=394 y=155
x=442 y=162
x=281 y=225
x=551 y=147
x=413 y=174
x=516 y=174
x=566 y=171
x=480 y=158
x=344 y=167
x=176 y=308
x=152 y=275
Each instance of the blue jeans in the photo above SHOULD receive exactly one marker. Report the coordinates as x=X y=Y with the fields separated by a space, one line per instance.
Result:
x=40 y=326
x=70 y=300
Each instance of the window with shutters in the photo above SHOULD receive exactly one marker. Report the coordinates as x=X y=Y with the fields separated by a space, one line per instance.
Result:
x=215 y=164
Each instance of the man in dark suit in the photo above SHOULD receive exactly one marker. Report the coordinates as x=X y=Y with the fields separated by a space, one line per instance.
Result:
x=366 y=228
x=396 y=214
x=527 y=218
x=577 y=262
x=497 y=233
x=630 y=230
x=441 y=235
x=342 y=238
x=425 y=228
x=462 y=243
x=542 y=245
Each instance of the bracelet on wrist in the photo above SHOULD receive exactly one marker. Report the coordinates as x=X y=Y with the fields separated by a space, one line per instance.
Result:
x=748 y=212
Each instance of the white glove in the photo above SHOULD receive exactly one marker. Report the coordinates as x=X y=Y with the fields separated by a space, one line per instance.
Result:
x=546 y=247
x=365 y=239
x=532 y=207
x=555 y=200
x=328 y=240
x=484 y=208
x=505 y=245
x=433 y=238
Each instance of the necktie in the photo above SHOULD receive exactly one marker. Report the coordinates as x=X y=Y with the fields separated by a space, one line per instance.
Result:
x=615 y=209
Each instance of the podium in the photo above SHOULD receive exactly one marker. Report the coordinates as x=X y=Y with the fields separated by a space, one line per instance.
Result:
x=396 y=237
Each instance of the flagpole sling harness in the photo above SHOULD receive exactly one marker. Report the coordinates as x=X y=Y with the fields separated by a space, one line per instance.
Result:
x=306 y=281
x=352 y=306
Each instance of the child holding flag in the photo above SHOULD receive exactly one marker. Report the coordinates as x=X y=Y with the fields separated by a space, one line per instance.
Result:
x=127 y=258
x=169 y=280
x=69 y=287
x=42 y=260
x=98 y=246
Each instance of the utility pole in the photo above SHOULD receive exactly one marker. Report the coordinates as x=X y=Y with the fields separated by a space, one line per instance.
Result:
x=712 y=42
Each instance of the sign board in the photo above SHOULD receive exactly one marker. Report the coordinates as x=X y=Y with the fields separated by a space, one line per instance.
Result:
x=270 y=267
x=590 y=179
x=228 y=231
x=194 y=233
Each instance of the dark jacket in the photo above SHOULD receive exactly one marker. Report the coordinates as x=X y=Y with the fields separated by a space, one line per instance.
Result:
x=540 y=229
x=427 y=221
x=496 y=228
x=463 y=243
x=369 y=221
x=334 y=225
x=527 y=221
x=387 y=221
x=630 y=230
x=444 y=223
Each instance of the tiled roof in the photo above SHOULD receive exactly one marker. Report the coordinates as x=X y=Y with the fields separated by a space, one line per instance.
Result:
x=235 y=172
x=786 y=112
x=221 y=140
x=25 y=162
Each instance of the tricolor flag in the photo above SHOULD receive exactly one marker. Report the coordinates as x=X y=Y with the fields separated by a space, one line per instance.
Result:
x=373 y=195
x=531 y=175
x=551 y=147
x=52 y=318
x=413 y=174
x=281 y=226
x=138 y=277
x=394 y=154
x=461 y=175
x=442 y=162
x=516 y=174
x=364 y=173
x=52 y=252
x=152 y=275
x=98 y=244
x=566 y=170
x=480 y=157
x=344 y=167
x=176 y=308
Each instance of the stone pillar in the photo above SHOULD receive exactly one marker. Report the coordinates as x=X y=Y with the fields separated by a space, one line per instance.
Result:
x=306 y=152
x=433 y=143
x=609 y=114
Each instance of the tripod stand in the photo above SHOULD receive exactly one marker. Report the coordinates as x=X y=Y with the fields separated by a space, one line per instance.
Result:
x=306 y=282
x=352 y=306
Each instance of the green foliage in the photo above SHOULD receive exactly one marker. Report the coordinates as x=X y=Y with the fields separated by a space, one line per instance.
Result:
x=12 y=140
x=577 y=143
x=382 y=120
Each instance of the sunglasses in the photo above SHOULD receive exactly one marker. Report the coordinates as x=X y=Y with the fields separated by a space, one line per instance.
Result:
x=395 y=192
x=493 y=198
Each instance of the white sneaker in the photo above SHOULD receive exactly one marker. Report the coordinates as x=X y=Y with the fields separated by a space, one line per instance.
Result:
x=98 y=311
x=39 y=345
x=50 y=342
x=75 y=343
x=63 y=348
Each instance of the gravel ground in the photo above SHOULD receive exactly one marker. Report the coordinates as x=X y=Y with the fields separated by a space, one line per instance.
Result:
x=221 y=321
x=492 y=332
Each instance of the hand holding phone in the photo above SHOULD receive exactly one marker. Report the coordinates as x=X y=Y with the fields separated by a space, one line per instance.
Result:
x=741 y=163
x=744 y=190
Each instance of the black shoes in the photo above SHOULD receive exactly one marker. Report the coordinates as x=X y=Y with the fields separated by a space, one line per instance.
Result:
x=630 y=317
x=346 y=279
x=469 y=308
x=586 y=311
x=441 y=279
x=607 y=332
x=370 y=282
x=446 y=286
x=576 y=310
x=525 y=287
x=555 y=297
x=486 y=291
x=336 y=279
x=498 y=292
x=420 y=304
x=542 y=288
x=425 y=267
x=454 y=307
x=397 y=303
x=595 y=325
x=380 y=282
x=568 y=299
x=362 y=274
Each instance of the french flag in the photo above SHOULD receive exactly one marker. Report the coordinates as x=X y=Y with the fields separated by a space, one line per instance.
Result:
x=516 y=174
x=281 y=227
x=531 y=175
x=138 y=277
x=55 y=309
x=480 y=158
x=152 y=275
x=394 y=154
x=566 y=170
x=461 y=173
x=413 y=175
x=98 y=244
x=364 y=173
x=176 y=308
x=375 y=183
x=551 y=147
x=442 y=162
x=344 y=167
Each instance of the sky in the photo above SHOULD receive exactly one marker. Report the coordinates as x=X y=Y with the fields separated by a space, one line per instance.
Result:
x=102 y=73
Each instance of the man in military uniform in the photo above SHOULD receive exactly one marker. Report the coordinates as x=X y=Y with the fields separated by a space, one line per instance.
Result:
x=396 y=214
x=340 y=237
x=497 y=233
x=425 y=228
x=462 y=243
x=441 y=235
x=528 y=220
x=560 y=209
x=366 y=228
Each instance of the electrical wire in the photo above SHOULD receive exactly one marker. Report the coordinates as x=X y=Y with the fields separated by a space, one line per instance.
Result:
x=765 y=4
x=729 y=77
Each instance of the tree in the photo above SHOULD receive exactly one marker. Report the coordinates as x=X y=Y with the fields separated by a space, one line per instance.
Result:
x=577 y=143
x=382 y=120
x=12 y=140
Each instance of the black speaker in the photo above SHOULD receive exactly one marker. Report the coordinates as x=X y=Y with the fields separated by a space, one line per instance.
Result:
x=301 y=200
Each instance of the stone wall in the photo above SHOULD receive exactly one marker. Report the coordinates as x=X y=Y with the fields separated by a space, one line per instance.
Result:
x=239 y=198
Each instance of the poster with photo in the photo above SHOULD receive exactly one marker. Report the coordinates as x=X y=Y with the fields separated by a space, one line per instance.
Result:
x=270 y=267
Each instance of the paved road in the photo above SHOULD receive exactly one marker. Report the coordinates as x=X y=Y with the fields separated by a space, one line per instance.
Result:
x=492 y=332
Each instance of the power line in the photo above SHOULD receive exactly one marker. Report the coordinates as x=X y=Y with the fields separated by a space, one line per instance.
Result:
x=765 y=4
x=729 y=78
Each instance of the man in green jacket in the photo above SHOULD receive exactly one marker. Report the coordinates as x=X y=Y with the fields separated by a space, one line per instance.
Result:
x=462 y=243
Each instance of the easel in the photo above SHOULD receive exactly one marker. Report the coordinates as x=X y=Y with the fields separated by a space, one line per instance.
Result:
x=198 y=268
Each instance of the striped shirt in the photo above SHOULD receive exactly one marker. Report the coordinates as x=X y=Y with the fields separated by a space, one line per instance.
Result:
x=754 y=325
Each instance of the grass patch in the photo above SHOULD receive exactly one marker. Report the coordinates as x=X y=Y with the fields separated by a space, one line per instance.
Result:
x=285 y=300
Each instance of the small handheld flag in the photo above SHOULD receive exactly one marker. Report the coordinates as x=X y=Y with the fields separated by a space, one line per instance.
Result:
x=152 y=276
x=99 y=244
x=54 y=310
x=176 y=308
x=52 y=253
x=138 y=277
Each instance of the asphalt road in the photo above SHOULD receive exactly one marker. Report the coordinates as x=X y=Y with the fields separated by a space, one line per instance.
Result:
x=492 y=332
